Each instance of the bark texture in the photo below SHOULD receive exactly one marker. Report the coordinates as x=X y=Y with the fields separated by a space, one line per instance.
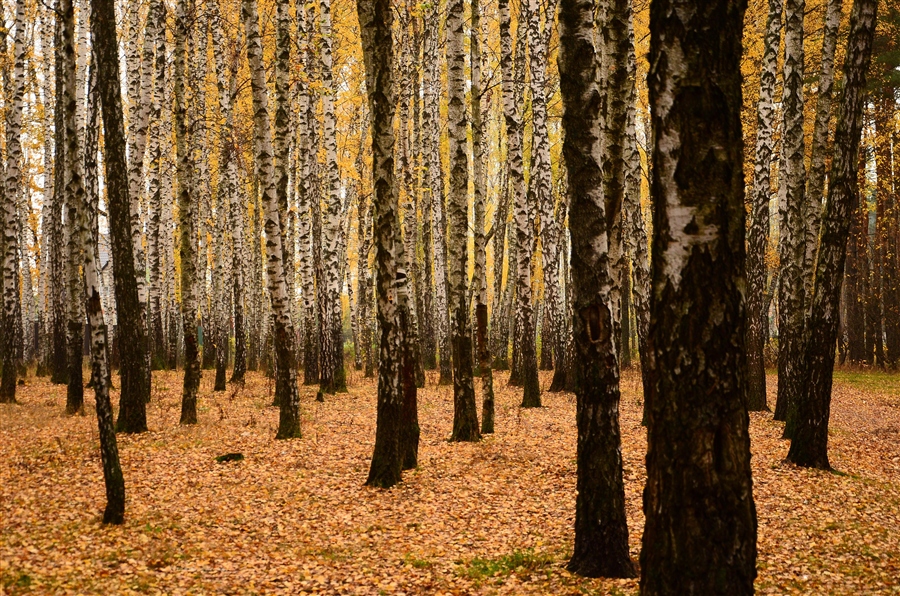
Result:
x=809 y=444
x=601 y=529
x=700 y=533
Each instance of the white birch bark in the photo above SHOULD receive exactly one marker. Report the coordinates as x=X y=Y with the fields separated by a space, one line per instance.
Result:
x=286 y=381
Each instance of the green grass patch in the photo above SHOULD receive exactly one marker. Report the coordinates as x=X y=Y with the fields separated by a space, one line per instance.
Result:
x=518 y=561
x=414 y=561
x=870 y=380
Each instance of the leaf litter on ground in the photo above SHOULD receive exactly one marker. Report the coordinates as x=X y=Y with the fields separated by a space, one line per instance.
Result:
x=494 y=517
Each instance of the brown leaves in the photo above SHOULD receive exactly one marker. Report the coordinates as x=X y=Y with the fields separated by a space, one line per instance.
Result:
x=493 y=517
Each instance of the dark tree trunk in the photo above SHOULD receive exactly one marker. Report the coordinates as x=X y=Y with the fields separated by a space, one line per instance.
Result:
x=105 y=47
x=700 y=532
x=395 y=370
x=134 y=369
x=809 y=444
x=856 y=270
x=601 y=529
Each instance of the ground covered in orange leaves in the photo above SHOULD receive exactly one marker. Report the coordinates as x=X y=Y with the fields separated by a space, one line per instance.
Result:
x=488 y=518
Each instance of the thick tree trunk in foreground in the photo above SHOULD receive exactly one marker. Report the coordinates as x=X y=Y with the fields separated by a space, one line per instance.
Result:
x=465 y=413
x=757 y=317
x=288 y=396
x=809 y=444
x=10 y=344
x=700 y=533
x=601 y=529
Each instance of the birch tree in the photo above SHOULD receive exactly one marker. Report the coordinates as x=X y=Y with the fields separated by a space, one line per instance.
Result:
x=700 y=540
x=761 y=191
x=479 y=276
x=531 y=395
x=75 y=199
x=10 y=241
x=286 y=375
x=332 y=375
x=465 y=416
x=791 y=211
x=375 y=18
x=187 y=199
x=809 y=443
x=601 y=530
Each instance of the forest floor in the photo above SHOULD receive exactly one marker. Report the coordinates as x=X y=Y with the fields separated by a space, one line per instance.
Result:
x=494 y=517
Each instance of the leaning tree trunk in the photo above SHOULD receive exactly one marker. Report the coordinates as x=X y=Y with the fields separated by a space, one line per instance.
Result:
x=759 y=215
x=815 y=185
x=601 y=529
x=103 y=28
x=809 y=444
x=465 y=414
x=700 y=533
x=792 y=244
x=286 y=374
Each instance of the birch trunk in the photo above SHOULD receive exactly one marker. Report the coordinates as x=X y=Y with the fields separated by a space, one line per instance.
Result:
x=809 y=444
x=465 y=415
x=286 y=377
x=815 y=184
x=134 y=369
x=12 y=343
x=633 y=217
x=531 y=396
x=436 y=185
x=759 y=214
x=792 y=224
x=305 y=193
x=156 y=18
x=375 y=19
x=601 y=530
x=187 y=199
x=75 y=199
x=103 y=28
x=479 y=275
x=333 y=379
x=700 y=540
